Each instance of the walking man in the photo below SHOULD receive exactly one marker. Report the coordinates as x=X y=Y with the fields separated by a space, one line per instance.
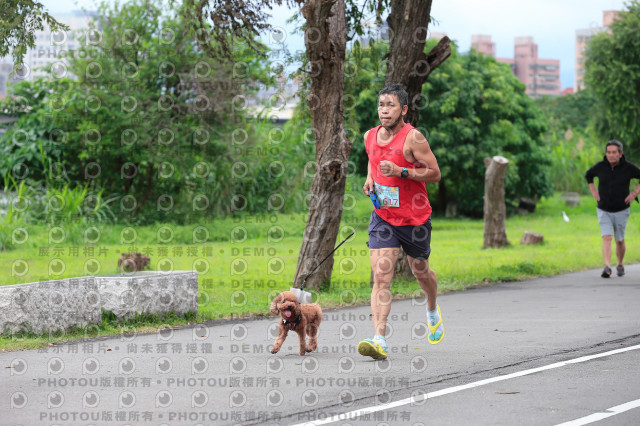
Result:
x=614 y=175
x=400 y=163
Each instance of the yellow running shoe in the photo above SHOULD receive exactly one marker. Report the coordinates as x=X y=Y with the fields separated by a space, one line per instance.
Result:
x=373 y=349
x=434 y=336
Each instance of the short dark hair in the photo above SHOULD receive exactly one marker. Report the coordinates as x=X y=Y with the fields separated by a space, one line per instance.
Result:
x=398 y=90
x=615 y=143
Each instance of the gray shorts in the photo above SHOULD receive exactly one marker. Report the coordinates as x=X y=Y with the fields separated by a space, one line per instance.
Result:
x=613 y=223
x=414 y=240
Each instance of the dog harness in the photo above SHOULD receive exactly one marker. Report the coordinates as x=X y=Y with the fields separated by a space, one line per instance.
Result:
x=292 y=324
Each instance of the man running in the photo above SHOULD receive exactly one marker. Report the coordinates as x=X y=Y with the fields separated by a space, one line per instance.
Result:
x=400 y=163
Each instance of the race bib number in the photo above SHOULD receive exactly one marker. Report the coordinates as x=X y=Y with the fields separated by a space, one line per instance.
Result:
x=389 y=196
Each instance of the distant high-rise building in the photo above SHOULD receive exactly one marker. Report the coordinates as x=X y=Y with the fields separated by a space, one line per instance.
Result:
x=5 y=77
x=53 y=48
x=50 y=49
x=583 y=37
x=540 y=76
x=483 y=44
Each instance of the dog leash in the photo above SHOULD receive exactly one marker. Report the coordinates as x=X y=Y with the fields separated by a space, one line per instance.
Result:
x=322 y=261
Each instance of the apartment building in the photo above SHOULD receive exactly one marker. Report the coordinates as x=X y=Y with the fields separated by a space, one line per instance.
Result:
x=5 y=77
x=53 y=48
x=483 y=44
x=540 y=76
x=583 y=36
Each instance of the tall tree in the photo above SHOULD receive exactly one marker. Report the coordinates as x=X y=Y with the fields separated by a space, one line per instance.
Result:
x=140 y=119
x=408 y=63
x=325 y=40
x=613 y=75
x=19 y=21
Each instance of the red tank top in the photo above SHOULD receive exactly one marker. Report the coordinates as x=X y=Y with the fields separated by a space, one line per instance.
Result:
x=404 y=201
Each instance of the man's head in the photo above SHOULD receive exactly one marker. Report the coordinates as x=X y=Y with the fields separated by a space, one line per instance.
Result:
x=393 y=104
x=613 y=151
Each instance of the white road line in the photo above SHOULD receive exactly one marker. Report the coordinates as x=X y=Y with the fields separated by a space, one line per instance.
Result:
x=357 y=413
x=618 y=409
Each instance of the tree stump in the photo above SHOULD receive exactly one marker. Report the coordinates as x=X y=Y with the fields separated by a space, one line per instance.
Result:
x=131 y=262
x=495 y=210
x=527 y=204
x=571 y=199
x=451 y=210
x=531 y=238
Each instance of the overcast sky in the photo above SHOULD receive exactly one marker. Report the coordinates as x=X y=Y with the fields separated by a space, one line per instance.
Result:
x=552 y=24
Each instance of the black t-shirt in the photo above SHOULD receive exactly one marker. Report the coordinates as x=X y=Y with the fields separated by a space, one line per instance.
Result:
x=613 y=183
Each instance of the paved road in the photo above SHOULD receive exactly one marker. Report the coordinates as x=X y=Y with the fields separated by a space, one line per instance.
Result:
x=513 y=353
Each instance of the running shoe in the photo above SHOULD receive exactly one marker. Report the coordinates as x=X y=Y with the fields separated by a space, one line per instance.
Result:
x=372 y=348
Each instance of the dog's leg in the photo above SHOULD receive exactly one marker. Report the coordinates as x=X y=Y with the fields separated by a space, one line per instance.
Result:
x=282 y=334
x=303 y=340
x=312 y=330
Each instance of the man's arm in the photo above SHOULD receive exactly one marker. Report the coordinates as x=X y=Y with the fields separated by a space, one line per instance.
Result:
x=590 y=175
x=429 y=172
x=368 y=183
x=594 y=192
x=633 y=195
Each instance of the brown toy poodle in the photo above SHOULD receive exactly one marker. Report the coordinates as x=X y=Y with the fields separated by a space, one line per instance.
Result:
x=304 y=319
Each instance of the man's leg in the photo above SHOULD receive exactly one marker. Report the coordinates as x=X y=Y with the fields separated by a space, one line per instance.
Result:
x=621 y=249
x=427 y=280
x=620 y=226
x=606 y=222
x=606 y=249
x=383 y=262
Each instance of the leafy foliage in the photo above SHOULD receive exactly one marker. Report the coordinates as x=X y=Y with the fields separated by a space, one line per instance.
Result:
x=613 y=74
x=476 y=108
x=573 y=111
x=148 y=119
x=574 y=143
x=19 y=20
x=219 y=23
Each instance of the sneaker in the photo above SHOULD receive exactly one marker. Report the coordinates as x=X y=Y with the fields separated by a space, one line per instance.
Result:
x=606 y=272
x=436 y=331
x=372 y=348
x=620 y=270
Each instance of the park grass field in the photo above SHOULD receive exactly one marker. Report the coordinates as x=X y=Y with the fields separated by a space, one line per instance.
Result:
x=246 y=260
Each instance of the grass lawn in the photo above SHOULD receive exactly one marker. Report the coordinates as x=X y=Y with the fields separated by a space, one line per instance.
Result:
x=245 y=261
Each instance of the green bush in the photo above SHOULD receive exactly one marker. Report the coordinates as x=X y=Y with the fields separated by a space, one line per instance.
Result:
x=475 y=108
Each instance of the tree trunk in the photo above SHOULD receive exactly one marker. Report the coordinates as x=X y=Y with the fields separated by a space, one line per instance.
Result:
x=531 y=238
x=495 y=210
x=410 y=66
x=325 y=40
